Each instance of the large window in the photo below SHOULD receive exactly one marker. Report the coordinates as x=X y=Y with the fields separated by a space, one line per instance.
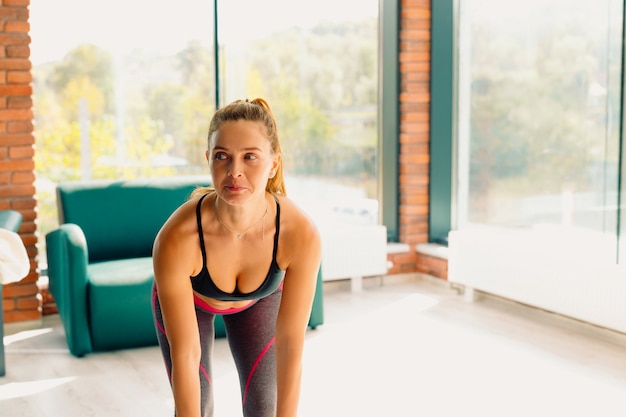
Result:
x=316 y=64
x=125 y=89
x=539 y=153
x=122 y=89
x=539 y=109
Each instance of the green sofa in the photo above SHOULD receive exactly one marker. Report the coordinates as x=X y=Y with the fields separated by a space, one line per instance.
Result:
x=9 y=220
x=99 y=260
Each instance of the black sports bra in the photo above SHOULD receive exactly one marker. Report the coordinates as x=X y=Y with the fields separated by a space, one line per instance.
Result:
x=204 y=285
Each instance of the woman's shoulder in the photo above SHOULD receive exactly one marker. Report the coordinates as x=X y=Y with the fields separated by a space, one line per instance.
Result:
x=175 y=244
x=288 y=206
x=182 y=221
x=296 y=220
x=300 y=238
x=185 y=209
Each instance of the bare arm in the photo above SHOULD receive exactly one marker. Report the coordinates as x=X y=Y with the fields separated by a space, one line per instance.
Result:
x=295 y=309
x=173 y=257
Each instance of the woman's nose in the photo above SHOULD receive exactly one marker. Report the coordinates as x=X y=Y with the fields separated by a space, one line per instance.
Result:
x=235 y=168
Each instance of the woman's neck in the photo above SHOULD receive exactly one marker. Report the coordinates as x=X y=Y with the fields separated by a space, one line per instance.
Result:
x=241 y=219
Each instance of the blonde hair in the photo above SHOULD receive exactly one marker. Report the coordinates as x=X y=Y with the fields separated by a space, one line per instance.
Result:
x=256 y=110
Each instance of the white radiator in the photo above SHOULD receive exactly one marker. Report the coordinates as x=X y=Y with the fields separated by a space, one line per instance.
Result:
x=566 y=271
x=354 y=252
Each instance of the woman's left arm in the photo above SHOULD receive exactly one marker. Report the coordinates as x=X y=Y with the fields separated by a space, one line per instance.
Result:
x=293 y=316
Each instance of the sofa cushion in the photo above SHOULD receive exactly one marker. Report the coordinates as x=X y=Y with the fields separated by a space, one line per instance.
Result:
x=120 y=303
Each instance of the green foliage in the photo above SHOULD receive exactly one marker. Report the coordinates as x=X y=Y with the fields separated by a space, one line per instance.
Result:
x=324 y=81
x=89 y=62
x=538 y=112
x=528 y=111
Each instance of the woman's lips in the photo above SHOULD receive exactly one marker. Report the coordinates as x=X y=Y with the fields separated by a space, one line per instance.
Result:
x=234 y=188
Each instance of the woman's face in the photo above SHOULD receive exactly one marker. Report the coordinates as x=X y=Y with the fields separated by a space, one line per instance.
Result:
x=241 y=161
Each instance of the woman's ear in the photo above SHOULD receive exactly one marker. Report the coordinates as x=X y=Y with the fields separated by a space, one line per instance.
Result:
x=206 y=155
x=275 y=163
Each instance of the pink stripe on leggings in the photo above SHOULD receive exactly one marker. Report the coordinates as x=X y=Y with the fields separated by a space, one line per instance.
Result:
x=256 y=364
x=154 y=301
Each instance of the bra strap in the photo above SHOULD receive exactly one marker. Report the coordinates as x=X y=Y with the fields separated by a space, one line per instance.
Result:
x=277 y=229
x=200 y=233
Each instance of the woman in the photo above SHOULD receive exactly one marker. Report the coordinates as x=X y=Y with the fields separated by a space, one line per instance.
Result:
x=244 y=250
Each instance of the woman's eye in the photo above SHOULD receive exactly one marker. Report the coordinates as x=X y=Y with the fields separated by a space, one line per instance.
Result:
x=220 y=156
x=251 y=156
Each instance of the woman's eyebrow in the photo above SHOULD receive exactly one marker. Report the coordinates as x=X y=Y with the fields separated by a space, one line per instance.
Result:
x=253 y=148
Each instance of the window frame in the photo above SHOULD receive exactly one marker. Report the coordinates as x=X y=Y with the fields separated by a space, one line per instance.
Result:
x=443 y=119
x=389 y=117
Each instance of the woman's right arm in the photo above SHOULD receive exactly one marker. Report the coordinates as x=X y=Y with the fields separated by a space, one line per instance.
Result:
x=174 y=258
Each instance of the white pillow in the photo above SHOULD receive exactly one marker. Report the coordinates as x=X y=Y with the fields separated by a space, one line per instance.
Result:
x=14 y=262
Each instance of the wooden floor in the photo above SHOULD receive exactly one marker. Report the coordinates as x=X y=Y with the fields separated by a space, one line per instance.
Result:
x=410 y=346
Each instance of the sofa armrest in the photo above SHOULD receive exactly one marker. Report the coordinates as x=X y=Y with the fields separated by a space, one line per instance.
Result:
x=10 y=220
x=66 y=249
x=317 y=310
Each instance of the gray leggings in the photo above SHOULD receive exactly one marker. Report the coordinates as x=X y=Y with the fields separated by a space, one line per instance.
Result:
x=250 y=335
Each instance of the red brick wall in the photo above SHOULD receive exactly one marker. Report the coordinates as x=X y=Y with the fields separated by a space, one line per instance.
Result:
x=21 y=301
x=414 y=62
x=404 y=262
x=432 y=265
